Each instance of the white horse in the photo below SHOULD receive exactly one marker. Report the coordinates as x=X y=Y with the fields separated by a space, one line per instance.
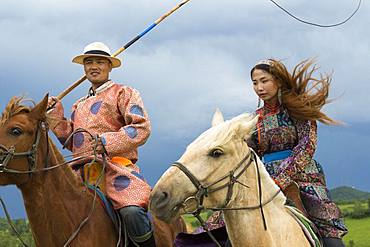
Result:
x=219 y=170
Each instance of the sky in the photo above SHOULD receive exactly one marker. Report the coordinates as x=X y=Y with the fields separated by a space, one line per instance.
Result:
x=196 y=60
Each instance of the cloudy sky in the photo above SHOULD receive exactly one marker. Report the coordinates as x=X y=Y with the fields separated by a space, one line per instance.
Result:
x=196 y=60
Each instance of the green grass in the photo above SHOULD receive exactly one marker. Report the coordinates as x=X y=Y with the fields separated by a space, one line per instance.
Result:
x=192 y=223
x=350 y=206
x=359 y=229
x=359 y=232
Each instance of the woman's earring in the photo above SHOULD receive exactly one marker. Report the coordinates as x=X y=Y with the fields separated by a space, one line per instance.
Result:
x=259 y=103
x=279 y=95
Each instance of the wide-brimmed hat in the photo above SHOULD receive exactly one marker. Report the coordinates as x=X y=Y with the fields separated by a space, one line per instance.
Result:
x=97 y=49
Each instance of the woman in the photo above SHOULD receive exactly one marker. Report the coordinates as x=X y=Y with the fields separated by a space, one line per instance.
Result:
x=285 y=138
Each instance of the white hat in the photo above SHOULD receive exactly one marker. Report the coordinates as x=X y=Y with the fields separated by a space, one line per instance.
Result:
x=97 y=49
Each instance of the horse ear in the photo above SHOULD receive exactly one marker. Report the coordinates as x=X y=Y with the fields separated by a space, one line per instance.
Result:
x=39 y=111
x=246 y=126
x=217 y=117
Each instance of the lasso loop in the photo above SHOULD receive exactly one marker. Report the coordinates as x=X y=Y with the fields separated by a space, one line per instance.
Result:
x=315 y=24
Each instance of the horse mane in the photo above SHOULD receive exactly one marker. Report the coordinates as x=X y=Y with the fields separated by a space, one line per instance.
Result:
x=55 y=150
x=14 y=107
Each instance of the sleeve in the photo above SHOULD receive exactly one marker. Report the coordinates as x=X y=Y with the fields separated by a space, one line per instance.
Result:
x=137 y=126
x=252 y=141
x=59 y=125
x=302 y=154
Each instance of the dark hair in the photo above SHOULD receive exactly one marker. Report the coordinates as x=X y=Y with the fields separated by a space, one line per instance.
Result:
x=302 y=94
x=261 y=66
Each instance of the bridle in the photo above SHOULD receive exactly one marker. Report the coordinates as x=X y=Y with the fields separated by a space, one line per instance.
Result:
x=7 y=154
x=204 y=190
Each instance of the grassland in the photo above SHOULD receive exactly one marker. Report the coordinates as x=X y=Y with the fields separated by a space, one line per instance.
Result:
x=358 y=229
x=359 y=232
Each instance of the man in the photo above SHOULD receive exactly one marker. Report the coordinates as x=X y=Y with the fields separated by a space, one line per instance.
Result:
x=115 y=113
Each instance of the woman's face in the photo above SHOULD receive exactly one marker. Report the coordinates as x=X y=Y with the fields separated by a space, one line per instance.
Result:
x=265 y=86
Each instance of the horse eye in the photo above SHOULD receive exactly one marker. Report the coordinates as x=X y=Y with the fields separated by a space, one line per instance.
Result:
x=215 y=153
x=16 y=131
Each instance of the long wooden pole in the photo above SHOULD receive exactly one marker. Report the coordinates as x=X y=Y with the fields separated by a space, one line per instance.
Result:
x=120 y=50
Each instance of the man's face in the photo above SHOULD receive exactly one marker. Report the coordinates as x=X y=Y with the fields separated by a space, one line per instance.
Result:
x=97 y=70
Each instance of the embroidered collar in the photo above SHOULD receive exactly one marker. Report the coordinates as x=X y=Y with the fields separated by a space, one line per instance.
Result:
x=271 y=108
x=100 y=89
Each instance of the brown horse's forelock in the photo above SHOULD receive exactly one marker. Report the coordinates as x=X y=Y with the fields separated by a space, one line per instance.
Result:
x=13 y=108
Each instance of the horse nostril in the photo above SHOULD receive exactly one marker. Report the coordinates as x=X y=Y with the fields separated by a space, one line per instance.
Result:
x=164 y=195
x=160 y=199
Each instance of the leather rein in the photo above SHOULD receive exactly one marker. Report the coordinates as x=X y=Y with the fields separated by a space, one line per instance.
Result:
x=7 y=154
x=232 y=176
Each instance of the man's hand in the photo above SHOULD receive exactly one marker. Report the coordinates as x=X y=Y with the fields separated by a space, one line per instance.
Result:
x=97 y=144
x=52 y=101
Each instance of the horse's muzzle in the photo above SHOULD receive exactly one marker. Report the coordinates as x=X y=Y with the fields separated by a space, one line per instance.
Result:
x=160 y=205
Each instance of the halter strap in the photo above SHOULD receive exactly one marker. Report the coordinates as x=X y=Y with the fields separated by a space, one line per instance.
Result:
x=203 y=191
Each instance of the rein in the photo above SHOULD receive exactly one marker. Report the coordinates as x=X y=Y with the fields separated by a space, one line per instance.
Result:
x=7 y=154
x=204 y=191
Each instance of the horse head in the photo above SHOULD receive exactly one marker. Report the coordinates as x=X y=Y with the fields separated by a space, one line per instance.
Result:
x=205 y=166
x=23 y=129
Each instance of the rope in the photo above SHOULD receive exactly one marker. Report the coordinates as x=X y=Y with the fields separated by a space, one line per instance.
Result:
x=11 y=223
x=315 y=24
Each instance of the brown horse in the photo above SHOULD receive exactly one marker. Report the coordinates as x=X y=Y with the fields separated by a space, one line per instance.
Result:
x=55 y=198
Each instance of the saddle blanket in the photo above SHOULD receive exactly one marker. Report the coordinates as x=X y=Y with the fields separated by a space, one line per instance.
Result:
x=306 y=225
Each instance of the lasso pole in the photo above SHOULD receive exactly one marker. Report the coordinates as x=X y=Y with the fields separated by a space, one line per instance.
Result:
x=120 y=50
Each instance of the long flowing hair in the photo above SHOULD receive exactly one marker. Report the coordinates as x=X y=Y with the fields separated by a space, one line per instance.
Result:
x=301 y=93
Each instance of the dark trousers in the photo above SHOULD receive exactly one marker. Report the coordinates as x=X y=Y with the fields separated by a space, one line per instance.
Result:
x=333 y=242
x=138 y=226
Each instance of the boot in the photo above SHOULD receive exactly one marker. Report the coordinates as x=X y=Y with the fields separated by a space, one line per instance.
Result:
x=148 y=243
x=138 y=226
x=333 y=242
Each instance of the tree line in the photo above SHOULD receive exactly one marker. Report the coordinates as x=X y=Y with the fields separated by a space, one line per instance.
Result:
x=360 y=209
x=9 y=239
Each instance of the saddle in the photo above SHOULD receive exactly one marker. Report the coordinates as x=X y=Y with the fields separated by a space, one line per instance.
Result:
x=307 y=226
x=90 y=170
x=300 y=214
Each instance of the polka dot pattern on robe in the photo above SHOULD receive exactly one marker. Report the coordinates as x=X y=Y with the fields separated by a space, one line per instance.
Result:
x=121 y=183
x=78 y=139
x=137 y=110
x=131 y=131
x=103 y=140
x=96 y=107
x=101 y=115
